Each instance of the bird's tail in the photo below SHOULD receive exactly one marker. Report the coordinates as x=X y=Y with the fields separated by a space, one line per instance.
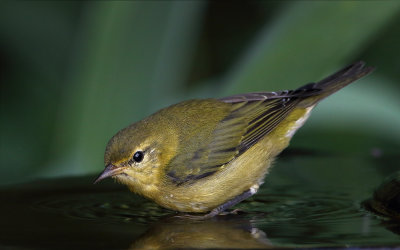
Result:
x=334 y=82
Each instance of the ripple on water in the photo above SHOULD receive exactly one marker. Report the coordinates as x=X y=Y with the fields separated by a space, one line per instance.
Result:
x=318 y=206
x=117 y=206
x=289 y=215
x=271 y=206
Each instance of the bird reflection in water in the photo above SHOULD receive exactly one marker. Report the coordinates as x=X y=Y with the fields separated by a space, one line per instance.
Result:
x=229 y=231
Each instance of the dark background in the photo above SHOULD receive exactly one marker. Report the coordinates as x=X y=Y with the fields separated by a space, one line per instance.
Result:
x=74 y=73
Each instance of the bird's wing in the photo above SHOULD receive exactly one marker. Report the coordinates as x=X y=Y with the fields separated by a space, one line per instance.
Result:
x=263 y=112
x=251 y=116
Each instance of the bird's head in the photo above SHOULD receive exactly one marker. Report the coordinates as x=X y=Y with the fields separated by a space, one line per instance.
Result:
x=136 y=155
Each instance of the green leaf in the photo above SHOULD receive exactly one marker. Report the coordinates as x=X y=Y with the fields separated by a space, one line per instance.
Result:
x=308 y=41
x=126 y=57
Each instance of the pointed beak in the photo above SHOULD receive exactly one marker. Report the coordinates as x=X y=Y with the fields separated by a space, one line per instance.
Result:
x=109 y=171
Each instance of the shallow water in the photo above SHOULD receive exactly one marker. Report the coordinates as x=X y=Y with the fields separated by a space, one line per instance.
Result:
x=307 y=201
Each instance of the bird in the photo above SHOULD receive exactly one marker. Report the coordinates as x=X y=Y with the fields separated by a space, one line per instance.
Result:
x=204 y=156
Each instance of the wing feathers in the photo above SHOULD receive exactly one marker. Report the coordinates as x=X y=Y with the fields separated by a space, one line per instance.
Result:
x=265 y=123
x=249 y=118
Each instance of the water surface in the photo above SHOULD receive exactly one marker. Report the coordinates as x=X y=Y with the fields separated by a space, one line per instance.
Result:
x=307 y=201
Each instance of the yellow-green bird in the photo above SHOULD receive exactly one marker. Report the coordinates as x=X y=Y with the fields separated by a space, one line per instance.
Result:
x=206 y=155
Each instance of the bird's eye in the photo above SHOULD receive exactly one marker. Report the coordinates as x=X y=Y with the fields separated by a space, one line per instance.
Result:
x=138 y=156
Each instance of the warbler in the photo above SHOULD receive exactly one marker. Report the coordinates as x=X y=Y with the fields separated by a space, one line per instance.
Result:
x=206 y=155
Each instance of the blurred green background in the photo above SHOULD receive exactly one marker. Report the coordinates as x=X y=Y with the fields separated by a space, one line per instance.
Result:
x=74 y=73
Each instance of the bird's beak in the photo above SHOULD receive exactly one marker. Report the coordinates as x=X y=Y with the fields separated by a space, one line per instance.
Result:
x=109 y=171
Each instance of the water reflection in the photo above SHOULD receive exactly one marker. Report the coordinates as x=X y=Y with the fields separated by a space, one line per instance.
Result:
x=230 y=231
x=309 y=203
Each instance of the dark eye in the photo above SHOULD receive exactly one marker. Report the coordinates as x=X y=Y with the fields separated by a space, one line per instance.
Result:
x=138 y=156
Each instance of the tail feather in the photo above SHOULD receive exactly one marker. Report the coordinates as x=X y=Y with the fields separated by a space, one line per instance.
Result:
x=345 y=76
x=334 y=82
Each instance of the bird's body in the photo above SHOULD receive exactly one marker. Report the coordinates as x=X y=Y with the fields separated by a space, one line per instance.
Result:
x=207 y=155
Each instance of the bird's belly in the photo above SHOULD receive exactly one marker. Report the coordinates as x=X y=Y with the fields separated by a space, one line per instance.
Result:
x=238 y=176
x=245 y=172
